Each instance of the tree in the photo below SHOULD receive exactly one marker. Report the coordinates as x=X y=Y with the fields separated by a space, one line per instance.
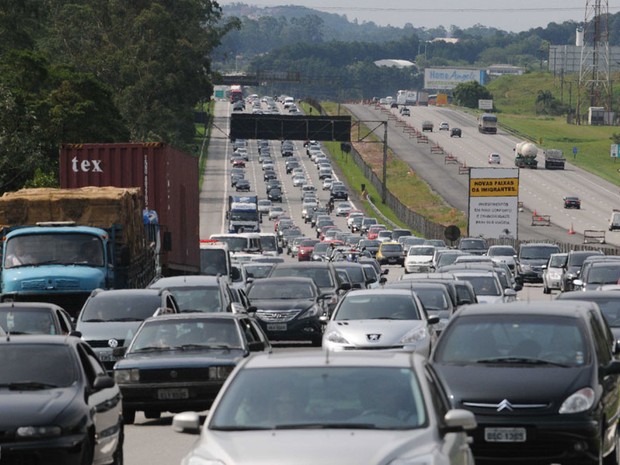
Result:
x=467 y=94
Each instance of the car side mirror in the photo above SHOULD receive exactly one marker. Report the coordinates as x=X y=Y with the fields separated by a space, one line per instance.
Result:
x=432 y=320
x=119 y=352
x=256 y=346
x=235 y=274
x=103 y=382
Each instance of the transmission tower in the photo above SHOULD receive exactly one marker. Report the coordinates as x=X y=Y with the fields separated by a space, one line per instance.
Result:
x=594 y=72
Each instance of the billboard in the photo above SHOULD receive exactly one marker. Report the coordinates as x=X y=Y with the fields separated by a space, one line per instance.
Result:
x=493 y=202
x=449 y=78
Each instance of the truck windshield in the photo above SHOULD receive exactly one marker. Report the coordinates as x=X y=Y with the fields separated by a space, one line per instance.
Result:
x=244 y=215
x=54 y=248
x=213 y=262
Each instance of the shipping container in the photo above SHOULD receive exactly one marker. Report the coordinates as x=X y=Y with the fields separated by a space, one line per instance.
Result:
x=168 y=179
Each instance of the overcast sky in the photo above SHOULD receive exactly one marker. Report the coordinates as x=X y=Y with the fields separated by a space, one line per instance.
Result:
x=508 y=15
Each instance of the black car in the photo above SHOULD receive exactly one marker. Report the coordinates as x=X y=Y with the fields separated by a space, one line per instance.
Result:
x=275 y=194
x=58 y=404
x=541 y=378
x=572 y=202
x=183 y=360
x=289 y=308
x=531 y=259
x=19 y=318
x=572 y=269
x=199 y=293
x=242 y=185
x=608 y=302
x=322 y=273
x=455 y=132
x=339 y=194
x=473 y=245
x=109 y=318
x=271 y=184
x=269 y=175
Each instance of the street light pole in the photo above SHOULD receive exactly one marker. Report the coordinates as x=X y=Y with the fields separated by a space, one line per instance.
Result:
x=385 y=147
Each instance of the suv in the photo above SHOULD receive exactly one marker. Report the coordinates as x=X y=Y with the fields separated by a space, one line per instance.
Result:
x=427 y=126
x=531 y=258
x=455 y=132
x=110 y=318
x=572 y=267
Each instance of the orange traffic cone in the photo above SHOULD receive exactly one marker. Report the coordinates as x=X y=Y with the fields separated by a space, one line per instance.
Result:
x=534 y=214
x=571 y=230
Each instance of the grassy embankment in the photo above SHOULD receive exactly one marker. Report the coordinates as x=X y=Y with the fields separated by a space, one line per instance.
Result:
x=401 y=180
x=203 y=134
x=515 y=101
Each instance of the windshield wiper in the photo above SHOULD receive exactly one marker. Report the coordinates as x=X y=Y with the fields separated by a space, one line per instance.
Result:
x=30 y=386
x=520 y=360
x=326 y=426
x=93 y=320
x=152 y=349
x=127 y=319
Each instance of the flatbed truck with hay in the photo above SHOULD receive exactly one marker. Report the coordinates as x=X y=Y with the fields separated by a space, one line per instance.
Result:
x=61 y=244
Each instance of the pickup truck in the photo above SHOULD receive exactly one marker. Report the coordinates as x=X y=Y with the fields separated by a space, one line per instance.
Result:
x=427 y=126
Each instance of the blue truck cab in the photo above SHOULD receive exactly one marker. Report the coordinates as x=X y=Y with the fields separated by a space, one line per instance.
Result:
x=59 y=262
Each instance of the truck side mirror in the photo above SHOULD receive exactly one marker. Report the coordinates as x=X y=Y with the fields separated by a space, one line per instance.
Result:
x=167 y=241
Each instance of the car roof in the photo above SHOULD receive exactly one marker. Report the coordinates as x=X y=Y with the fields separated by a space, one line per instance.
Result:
x=28 y=339
x=188 y=280
x=35 y=305
x=298 y=358
x=539 y=307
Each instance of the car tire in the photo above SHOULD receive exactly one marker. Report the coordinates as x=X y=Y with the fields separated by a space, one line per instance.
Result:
x=88 y=449
x=546 y=290
x=129 y=416
x=152 y=414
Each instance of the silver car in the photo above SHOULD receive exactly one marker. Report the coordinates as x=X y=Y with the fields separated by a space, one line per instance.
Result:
x=380 y=319
x=307 y=408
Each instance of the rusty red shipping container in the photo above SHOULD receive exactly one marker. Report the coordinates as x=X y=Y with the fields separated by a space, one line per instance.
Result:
x=169 y=181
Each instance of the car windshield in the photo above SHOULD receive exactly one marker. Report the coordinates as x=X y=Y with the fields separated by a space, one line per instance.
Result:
x=377 y=306
x=472 y=244
x=322 y=397
x=259 y=270
x=421 y=250
x=501 y=252
x=577 y=259
x=268 y=243
x=557 y=261
x=198 y=298
x=120 y=307
x=278 y=290
x=538 y=252
x=392 y=248
x=606 y=274
x=27 y=321
x=321 y=276
x=186 y=334
x=513 y=339
x=36 y=366
x=433 y=299
x=483 y=285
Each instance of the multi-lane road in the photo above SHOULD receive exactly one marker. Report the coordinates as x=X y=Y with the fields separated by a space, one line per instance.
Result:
x=149 y=442
x=541 y=191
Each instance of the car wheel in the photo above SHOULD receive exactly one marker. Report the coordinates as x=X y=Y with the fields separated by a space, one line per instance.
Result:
x=152 y=414
x=88 y=449
x=546 y=290
x=129 y=416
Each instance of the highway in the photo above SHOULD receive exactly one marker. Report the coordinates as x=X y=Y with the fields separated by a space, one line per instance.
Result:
x=153 y=442
x=541 y=191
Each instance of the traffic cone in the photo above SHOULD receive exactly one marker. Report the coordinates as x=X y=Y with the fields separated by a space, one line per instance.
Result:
x=534 y=214
x=571 y=230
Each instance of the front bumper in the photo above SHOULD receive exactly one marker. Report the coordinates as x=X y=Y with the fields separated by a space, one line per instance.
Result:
x=170 y=397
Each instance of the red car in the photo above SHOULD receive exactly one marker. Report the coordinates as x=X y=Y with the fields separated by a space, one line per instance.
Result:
x=238 y=162
x=305 y=249
x=373 y=231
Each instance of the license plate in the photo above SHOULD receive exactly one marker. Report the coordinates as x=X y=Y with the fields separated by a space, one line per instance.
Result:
x=504 y=434
x=392 y=260
x=106 y=356
x=172 y=394
x=276 y=327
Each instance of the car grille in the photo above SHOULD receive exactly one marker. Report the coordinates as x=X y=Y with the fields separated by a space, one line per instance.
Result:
x=95 y=344
x=278 y=316
x=503 y=407
x=166 y=375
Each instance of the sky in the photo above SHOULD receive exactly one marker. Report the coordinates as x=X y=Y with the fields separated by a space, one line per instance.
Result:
x=507 y=15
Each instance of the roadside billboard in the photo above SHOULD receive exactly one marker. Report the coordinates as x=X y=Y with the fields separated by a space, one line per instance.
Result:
x=449 y=78
x=493 y=202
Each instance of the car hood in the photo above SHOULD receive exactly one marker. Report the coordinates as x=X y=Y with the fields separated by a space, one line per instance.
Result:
x=35 y=407
x=178 y=359
x=107 y=330
x=533 y=261
x=371 y=333
x=281 y=304
x=516 y=383
x=300 y=446
x=490 y=299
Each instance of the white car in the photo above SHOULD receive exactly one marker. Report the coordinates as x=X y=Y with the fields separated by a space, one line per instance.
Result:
x=552 y=272
x=393 y=317
x=444 y=126
x=346 y=408
x=264 y=205
x=343 y=209
x=503 y=254
x=275 y=212
x=495 y=159
x=299 y=180
x=419 y=258
x=327 y=184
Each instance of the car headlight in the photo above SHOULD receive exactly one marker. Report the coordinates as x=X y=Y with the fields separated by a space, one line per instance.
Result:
x=555 y=275
x=336 y=337
x=127 y=376
x=415 y=335
x=571 y=275
x=221 y=372
x=580 y=401
x=311 y=312
x=525 y=267
x=38 y=431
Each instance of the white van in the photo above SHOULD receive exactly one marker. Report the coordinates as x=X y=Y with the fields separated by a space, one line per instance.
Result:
x=614 y=220
x=289 y=102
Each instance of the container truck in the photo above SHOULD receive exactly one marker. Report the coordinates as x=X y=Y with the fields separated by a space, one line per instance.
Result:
x=168 y=179
x=58 y=245
x=525 y=155
x=407 y=97
x=422 y=98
